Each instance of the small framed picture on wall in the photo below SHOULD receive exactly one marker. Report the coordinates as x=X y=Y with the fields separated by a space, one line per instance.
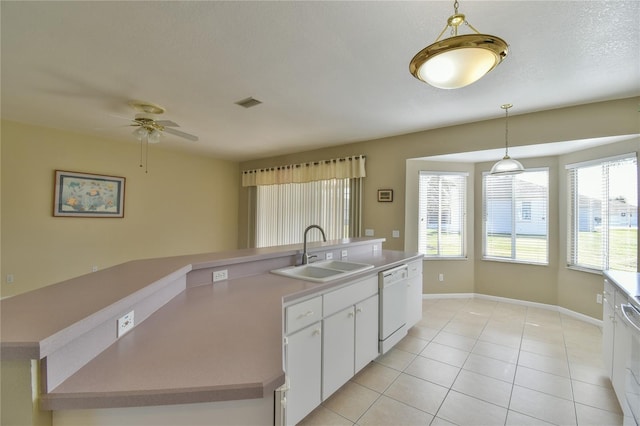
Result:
x=385 y=195
x=88 y=195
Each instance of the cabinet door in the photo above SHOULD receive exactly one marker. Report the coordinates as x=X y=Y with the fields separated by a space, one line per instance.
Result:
x=337 y=350
x=303 y=365
x=414 y=300
x=607 y=333
x=366 y=332
x=621 y=353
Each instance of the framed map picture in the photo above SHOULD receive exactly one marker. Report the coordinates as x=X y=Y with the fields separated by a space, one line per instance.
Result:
x=88 y=195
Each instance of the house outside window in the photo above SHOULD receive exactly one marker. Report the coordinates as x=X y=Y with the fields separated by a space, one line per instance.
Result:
x=515 y=212
x=603 y=214
x=442 y=214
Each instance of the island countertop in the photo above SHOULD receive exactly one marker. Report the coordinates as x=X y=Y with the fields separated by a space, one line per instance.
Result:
x=213 y=342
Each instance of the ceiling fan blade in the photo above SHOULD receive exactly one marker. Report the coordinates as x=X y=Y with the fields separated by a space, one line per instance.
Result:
x=181 y=134
x=167 y=123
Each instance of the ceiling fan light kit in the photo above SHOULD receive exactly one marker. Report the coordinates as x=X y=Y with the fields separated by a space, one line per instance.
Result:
x=459 y=60
x=507 y=166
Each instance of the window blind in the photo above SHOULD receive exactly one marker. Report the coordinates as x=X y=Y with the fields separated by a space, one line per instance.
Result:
x=603 y=214
x=515 y=211
x=284 y=211
x=441 y=213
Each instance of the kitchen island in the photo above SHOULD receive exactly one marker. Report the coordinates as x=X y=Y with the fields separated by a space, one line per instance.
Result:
x=218 y=344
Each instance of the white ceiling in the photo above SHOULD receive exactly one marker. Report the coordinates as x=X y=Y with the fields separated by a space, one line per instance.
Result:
x=327 y=72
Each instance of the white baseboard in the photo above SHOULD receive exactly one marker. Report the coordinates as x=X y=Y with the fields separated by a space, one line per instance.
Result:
x=564 y=311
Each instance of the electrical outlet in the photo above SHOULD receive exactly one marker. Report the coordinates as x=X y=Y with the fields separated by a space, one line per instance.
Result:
x=441 y=277
x=328 y=256
x=10 y=278
x=599 y=298
x=220 y=275
x=344 y=254
x=395 y=234
x=368 y=232
x=94 y=268
x=125 y=323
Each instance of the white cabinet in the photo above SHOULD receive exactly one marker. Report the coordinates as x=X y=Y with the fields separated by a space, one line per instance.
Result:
x=616 y=338
x=303 y=365
x=302 y=358
x=350 y=342
x=350 y=338
x=608 y=318
x=414 y=293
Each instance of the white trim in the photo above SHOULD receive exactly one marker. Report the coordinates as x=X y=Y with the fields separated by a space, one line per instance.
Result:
x=599 y=161
x=556 y=308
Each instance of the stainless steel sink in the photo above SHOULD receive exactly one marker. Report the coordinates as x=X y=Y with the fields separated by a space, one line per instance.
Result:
x=323 y=271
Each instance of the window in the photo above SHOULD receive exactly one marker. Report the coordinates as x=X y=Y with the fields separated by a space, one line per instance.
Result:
x=441 y=212
x=603 y=219
x=515 y=211
x=284 y=211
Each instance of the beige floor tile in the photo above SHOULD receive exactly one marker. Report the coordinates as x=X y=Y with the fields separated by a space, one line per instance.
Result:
x=482 y=387
x=491 y=367
x=351 y=401
x=387 y=411
x=433 y=371
x=423 y=332
x=418 y=393
x=542 y=406
x=597 y=417
x=437 y=421
x=589 y=356
x=518 y=419
x=322 y=416
x=553 y=365
x=499 y=337
x=445 y=354
x=464 y=328
x=544 y=382
x=551 y=349
x=455 y=340
x=596 y=396
x=589 y=374
x=465 y=410
x=376 y=377
x=396 y=359
x=492 y=350
x=413 y=344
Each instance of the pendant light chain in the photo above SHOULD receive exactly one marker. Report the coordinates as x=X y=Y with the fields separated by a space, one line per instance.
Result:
x=506 y=131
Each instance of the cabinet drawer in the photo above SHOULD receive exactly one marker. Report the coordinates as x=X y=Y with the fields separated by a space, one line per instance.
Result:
x=415 y=268
x=302 y=314
x=350 y=295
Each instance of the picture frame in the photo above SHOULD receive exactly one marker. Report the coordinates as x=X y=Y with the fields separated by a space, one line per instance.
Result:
x=78 y=194
x=385 y=195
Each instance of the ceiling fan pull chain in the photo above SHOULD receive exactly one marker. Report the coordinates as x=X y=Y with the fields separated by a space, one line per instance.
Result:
x=141 y=148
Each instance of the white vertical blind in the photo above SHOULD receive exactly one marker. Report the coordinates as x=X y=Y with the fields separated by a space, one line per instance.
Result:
x=284 y=211
x=603 y=214
x=515 y=212
x=441 y=214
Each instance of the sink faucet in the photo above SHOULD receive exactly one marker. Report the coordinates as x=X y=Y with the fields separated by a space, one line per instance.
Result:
x=305 y=255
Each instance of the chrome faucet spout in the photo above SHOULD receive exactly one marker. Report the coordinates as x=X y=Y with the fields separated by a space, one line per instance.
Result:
x=305 y=255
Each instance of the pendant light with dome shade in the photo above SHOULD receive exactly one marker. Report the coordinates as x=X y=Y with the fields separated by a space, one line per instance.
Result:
x=459 y=60
x=507 y=166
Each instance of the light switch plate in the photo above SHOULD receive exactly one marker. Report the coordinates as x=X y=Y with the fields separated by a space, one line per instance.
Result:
x=395 y=234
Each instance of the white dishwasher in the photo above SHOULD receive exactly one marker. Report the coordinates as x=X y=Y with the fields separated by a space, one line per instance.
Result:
x=393 y=306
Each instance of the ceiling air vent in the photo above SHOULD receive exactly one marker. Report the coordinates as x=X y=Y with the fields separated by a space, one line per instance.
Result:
x=248 y=103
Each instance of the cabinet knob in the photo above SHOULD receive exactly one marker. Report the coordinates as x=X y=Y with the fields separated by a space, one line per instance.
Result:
x=316 y=332
x=350 y=314
x=358 y=310
x=306 y=314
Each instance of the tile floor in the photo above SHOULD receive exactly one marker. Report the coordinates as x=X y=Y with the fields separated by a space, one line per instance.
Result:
x=481 y=362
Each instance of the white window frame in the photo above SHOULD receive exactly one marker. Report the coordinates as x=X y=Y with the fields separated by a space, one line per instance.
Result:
x=573 y=217
x=461 y=215
x=515 y=216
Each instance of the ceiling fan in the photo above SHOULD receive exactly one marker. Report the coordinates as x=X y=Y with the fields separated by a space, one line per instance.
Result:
x=149 y=128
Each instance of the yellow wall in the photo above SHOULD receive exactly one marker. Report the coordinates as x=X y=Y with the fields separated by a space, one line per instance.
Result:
x=185 y=204
x=386 y=168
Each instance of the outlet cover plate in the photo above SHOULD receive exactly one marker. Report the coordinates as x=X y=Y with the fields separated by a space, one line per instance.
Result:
x=125 y=323
x=220 y=275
